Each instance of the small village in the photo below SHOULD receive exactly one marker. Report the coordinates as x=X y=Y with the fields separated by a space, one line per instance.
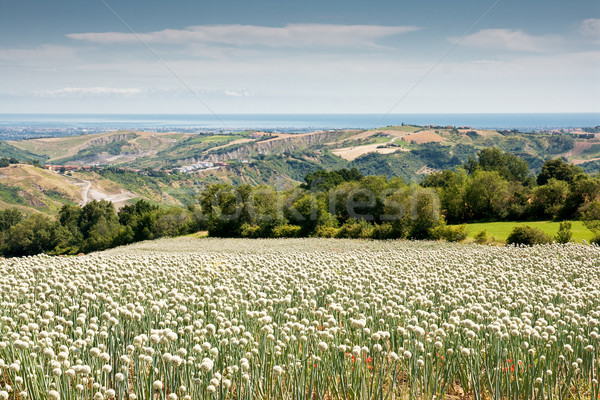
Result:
x=186 y=169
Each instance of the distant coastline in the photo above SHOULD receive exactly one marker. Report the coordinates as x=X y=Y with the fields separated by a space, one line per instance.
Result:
x=47 y=124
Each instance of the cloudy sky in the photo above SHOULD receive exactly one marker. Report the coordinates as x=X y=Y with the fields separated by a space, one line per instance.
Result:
x=310 y=56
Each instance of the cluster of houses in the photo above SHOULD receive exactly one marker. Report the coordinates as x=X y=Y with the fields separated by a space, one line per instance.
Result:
x=71 y=168
x=446 y=127
x=203 y=165
x=186 y=169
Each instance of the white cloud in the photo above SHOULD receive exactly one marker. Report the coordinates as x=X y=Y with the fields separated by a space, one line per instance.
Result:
x=509 y=39
x=88 y=91
x=590 y=27
x=237 y=93
x=291 y=35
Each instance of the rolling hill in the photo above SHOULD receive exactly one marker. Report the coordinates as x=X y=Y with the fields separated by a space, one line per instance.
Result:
x=125 y=165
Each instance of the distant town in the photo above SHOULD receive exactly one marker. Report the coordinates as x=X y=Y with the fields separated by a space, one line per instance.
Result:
x=186 y=169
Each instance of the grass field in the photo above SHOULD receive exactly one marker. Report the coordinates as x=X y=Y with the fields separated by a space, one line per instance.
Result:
x=500 y=230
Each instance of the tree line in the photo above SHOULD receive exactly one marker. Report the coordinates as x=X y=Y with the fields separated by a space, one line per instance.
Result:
x=93 y=227
x=494 y=186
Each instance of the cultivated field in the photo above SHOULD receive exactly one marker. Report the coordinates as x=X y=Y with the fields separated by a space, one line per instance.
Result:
x=302 y=319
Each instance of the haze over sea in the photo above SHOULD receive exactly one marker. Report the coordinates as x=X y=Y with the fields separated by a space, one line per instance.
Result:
x=299 y=122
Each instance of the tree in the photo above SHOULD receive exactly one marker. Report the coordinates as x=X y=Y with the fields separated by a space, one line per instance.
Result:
x=582 y=191
x=99 y=225
x=34 y=235
x=548 y=200
x=509 y=166
x=69 y=217
x=486 y=196
x=324 y=180
x=591 y=219
x=439 y=179
x=452 y=196
x=9 y=217
x=141 y=219
x=308 y=211
x=558 y=169
x=221 y=207
x=425 y=213
x=564 y=233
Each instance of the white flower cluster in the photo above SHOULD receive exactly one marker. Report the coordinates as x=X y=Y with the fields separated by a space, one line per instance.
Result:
x=340 y=317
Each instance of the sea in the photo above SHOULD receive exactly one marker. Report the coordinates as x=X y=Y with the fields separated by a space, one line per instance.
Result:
x=31 y=125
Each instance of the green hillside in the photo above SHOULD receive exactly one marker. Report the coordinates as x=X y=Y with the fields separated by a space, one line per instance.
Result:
x=145 y=159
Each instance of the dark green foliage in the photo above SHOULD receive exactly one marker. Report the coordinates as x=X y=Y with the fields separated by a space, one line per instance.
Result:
x=371 y=206
x=564 y=233
x=141 y=219
x=341 y=203
x=4 y=162
x=591 y=129
x=559 y=144
x=527 y=235
x=438 y=156
x=509 y=166
x=92 y=227
x=286 y=230
x=424 y=213
x=230 y=211
x=439 y=179
x=582 y=191
x=355 y=229
x=9 y=217
x=558 y=169
x=548 y=200
x=486 y=196
x=325 y=180
x=402 y=165
x=99 y=225
x=384 y=230
x=309 y=211
x=36 y=234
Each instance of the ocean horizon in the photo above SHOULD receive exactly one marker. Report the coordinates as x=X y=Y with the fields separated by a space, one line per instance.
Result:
x=521 y=121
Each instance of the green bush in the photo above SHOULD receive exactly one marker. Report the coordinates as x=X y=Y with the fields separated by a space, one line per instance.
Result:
x=355 y=229
x=250 y=231
x=384 y=231
x=449 y=233
x=326 y=231
x=286 y=230
x=564 y=233
x=527 y=235
x=482 y=237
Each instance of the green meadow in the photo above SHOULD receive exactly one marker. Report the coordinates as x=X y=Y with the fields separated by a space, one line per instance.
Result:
x=499 y=231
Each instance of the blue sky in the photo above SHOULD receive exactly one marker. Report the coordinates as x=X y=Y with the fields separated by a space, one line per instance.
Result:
x=226 y=56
